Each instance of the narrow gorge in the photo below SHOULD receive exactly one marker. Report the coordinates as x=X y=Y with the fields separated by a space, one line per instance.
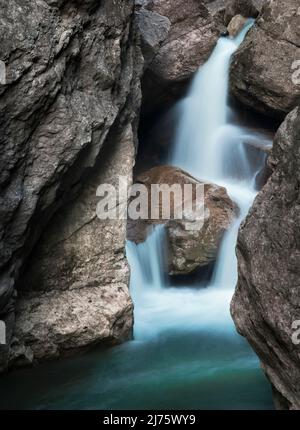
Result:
x=150 y=312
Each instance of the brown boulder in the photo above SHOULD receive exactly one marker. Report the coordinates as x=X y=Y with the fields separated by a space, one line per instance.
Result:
x=265 y=70
x=189 y=249
x=267 y=299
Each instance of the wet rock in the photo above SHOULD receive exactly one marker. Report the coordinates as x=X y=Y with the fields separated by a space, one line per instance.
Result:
x=267 y=301
x=192 y=244
x=265 y=70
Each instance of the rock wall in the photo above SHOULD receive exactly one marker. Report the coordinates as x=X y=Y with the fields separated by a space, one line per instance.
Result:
x=267 y=299
x=265 y=70
x=71 y=89
x=188 y=32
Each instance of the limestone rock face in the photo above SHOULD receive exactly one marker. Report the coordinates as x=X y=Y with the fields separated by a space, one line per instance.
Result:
x=190 y=40
x=72 y=76
x=191 y=245
x=75 y=290
x=267 y=299
x=265 y=70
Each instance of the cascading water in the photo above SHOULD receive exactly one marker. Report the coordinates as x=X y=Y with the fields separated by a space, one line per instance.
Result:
x=212 y=149
x=186 y=353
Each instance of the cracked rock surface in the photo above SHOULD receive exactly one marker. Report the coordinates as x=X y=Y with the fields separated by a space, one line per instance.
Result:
x=72 y=87
x=265 y=70
x=267 y=299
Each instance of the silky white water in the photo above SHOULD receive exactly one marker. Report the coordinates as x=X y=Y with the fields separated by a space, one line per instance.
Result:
x=212 y=149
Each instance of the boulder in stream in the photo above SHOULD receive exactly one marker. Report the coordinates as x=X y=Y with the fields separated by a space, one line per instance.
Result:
x=189 y=248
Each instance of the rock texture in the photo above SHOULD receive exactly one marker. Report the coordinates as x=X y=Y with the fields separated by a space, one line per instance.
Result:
x=75 y=291
x=72 y=81
x=246 y=8
x=154 y=29
x=267 y=299
x=265 y=70
x=189 y=248
x=236 y=25
x=192 y=36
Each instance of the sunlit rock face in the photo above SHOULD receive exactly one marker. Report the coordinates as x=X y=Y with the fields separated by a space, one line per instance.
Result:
x=267 y=300
x=191 y=245
x=265 y=70
x=72 y=85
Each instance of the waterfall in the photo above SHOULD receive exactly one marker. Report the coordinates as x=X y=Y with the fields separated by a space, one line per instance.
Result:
x=148 y=262
x=212 y=148
x=204 y=115
x=186 y=353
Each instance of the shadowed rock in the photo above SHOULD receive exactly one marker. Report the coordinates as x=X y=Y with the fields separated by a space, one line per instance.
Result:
x=72 y=73
x=267 y=297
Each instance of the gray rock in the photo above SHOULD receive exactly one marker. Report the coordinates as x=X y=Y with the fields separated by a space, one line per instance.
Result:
x=265 y=70
x=216 y=8
x=75 y=292
x=72 y=72
x=154 y=29
x=190 y=41
x=267 y=297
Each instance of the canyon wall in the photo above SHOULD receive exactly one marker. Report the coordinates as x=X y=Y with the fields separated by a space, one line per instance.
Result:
x=267 y=299
x=266 y=306
x=265 y=70
x=68 y=110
